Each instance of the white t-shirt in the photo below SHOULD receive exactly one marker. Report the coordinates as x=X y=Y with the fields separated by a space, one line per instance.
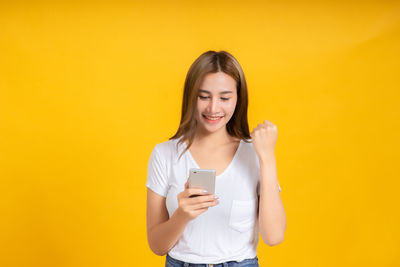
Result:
x=225 y=232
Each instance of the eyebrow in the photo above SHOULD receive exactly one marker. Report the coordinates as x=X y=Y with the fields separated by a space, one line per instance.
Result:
x=221 y=93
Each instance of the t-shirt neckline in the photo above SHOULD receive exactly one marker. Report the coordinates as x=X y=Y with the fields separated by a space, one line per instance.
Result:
x=226 y=169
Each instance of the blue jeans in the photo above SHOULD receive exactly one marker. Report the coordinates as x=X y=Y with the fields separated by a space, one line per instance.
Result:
x=171 y=262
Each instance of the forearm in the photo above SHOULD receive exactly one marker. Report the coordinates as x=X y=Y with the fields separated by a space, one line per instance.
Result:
x=272 y=217
x=163 y=237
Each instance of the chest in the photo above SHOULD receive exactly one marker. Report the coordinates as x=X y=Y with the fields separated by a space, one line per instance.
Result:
x=239 y=184
x=217 y=159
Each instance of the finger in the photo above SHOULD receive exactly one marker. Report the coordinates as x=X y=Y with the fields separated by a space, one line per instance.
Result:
x=205 y=205
x=200 y=199
x=200 y=211
x=194 y=191
x=187 y=183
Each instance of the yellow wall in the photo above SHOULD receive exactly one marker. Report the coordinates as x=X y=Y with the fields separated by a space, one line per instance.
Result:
x=87 y=89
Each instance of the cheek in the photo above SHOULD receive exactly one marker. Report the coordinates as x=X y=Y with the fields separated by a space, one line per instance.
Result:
x=201 y=106
x=230 y=107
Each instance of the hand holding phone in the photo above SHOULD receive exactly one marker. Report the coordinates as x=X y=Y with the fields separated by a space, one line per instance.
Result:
x=189 y=206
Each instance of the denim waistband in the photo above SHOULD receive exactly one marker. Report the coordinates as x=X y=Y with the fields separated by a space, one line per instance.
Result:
x=171 y=262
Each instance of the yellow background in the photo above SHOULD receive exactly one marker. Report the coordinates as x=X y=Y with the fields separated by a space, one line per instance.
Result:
x=87 y=89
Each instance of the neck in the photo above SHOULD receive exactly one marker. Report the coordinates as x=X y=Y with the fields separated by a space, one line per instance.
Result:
x=217 y=138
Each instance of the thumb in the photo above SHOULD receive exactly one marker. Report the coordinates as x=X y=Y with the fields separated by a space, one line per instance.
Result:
x=187 y=184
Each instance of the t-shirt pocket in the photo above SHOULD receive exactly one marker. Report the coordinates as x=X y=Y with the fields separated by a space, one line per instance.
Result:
x=243 y=214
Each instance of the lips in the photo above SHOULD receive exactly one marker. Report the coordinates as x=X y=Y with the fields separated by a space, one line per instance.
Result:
x=213 y=117
x=213 y=120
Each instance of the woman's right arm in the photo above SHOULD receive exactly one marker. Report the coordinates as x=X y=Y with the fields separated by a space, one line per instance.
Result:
x=163 y=232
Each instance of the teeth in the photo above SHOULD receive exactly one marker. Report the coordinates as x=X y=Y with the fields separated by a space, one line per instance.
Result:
x=213 y=118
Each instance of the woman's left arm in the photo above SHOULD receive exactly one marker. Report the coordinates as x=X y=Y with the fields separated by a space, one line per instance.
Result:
x=271 y=213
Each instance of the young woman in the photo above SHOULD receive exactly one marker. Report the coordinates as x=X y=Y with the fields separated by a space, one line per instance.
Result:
x=218 y=229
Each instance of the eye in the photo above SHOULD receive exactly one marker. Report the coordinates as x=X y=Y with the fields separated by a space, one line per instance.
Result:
x=224 y=99
x=203 y=97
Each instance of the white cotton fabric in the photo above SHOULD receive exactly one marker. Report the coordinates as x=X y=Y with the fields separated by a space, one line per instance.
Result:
x=226 y=232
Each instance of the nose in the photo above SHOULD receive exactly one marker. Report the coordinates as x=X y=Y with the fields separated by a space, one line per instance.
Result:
x=213 y=105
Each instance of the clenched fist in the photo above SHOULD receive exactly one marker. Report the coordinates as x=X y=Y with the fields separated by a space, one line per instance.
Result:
x=264 y=139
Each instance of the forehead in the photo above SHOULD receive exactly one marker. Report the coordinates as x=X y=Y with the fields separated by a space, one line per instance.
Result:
x=218 y=82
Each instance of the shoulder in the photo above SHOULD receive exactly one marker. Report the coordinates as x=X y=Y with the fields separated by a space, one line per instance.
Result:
x=248 y=150
x=167 y=149
x=247 y=145
x=163 y=147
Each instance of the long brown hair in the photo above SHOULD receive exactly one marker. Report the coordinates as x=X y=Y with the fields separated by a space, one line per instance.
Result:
x=212 y=62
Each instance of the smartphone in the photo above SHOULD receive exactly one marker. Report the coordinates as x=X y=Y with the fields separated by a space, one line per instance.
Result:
x=202 y=178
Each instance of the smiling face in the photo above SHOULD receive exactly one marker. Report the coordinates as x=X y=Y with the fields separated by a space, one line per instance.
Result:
x=216 y=101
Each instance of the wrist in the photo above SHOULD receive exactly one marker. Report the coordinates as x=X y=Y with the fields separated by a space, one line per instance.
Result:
x=267 y=157
x=179 y=217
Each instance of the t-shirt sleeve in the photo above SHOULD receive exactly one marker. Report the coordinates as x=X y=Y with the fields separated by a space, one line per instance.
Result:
x=157 y=179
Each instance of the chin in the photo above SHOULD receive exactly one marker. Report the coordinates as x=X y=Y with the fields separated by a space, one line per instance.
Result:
x=212 y=128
